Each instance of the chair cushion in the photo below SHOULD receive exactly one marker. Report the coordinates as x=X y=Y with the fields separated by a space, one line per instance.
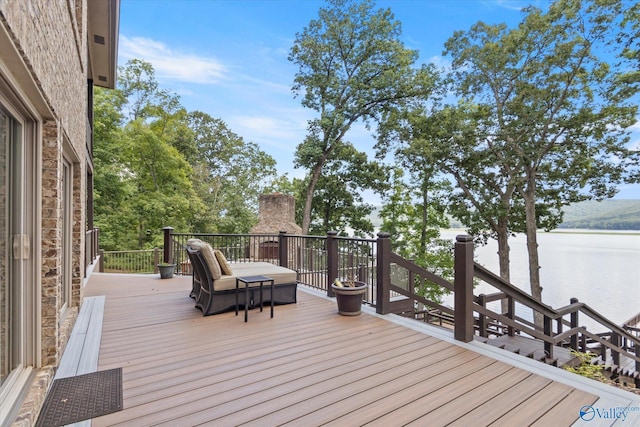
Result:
x=209 y=257
x=280 y=275
x=224 y=264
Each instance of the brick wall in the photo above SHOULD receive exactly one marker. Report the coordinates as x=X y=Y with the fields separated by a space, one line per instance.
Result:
x=50 y=38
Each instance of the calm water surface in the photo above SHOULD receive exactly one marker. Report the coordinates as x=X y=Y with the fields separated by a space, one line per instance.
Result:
x=602 y=270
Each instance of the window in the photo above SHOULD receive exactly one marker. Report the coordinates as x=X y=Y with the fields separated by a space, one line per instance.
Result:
x=67 y=233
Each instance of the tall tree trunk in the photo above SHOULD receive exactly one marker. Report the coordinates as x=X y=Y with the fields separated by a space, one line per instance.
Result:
x=529 y=196
x=502 y=236
x=425 y=214
x=315 y=176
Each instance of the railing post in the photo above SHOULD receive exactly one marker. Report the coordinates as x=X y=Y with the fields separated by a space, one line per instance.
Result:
x=463 y=288
x=615 y=355
x=574 y=324
x=96 y=241
x=168 y=247
x=283 y=249
x=511 y=312
x=637 y=351
x=548 y=347
x=332 y=260
x=101 y=262
x=383 y=273
x=156 y=260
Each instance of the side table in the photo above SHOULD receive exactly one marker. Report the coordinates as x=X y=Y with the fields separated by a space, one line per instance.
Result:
x=247 y=280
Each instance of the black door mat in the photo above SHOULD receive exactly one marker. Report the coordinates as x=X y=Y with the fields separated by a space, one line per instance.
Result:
x=82 y=397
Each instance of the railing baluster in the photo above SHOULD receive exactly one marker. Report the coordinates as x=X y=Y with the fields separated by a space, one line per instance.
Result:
x=482 y=319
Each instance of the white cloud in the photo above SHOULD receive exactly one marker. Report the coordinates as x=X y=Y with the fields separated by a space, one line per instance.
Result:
x=276 y=131
x=440 y=62
x=172 y=65
x=512 y=4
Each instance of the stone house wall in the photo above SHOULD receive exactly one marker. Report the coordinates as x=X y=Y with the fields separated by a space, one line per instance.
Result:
x=51 y=39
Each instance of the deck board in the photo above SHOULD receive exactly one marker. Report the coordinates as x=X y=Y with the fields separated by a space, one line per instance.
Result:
x=306 y=366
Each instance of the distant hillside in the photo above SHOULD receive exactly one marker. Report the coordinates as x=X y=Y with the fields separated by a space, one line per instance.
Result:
x=605 y=215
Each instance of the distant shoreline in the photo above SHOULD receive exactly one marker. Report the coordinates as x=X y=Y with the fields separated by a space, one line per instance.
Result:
x=569 y=231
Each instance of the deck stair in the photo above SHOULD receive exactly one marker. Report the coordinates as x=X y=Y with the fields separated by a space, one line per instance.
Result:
x=623 y=373
x=622 y=370
x=532 y=348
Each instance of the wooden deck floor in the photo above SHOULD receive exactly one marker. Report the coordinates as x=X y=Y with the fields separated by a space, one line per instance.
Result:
x=307 y=366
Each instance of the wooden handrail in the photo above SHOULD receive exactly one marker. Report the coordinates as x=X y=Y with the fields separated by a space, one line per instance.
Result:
x=516 y=293
x=554 y=314
x=416 y=269
x=421 y=299
x=633 y=322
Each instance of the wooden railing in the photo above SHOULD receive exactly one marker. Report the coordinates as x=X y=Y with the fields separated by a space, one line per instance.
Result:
x=317 y=260
x=393 y=282
x=136 y=262
x=560 y=327
x=91 y=246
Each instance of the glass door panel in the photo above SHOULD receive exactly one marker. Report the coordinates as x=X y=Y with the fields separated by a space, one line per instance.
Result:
x=13 y=243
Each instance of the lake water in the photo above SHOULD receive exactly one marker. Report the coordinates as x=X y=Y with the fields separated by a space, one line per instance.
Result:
x=601 y=270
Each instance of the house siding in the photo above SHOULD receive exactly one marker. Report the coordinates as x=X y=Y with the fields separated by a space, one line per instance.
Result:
x=51 y=41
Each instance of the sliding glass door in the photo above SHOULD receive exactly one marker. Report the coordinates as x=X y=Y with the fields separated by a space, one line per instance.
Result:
x=14 y=250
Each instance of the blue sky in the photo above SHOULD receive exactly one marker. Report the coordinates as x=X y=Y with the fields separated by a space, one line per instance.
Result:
x=228 y=58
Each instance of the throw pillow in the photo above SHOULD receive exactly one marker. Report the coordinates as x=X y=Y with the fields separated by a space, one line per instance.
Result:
x=224 y=264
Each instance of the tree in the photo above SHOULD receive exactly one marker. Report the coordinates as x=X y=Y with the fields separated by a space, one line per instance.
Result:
x=158 y=165
x=351 y=67
x=111 y=188
x=229 y=175
x=629 y=40
x=556 y=124
x=413 y=215
x=339 y=204
x=163 y=192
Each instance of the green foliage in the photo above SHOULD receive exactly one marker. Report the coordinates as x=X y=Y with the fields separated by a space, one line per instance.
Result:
x=586 y=368
x=158 y=165
x=603 y=215
x=414 y=221
x=351 y=67
x=338 y=204
x=229 y=173
x=554 y=126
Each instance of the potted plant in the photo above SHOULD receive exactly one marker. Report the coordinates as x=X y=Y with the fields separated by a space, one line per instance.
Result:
x=166 y=270
x=349 y=295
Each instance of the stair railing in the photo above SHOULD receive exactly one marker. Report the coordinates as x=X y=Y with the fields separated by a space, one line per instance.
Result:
x=617 y=339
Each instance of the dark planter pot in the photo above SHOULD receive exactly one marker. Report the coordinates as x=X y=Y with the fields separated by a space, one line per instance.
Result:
x=349 y=299
x=166 y=271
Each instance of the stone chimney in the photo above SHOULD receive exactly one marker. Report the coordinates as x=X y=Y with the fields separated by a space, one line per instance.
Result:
x=277 y=212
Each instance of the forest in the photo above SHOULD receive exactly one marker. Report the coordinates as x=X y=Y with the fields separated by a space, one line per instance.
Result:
x=521 y=123
x=603 y=215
